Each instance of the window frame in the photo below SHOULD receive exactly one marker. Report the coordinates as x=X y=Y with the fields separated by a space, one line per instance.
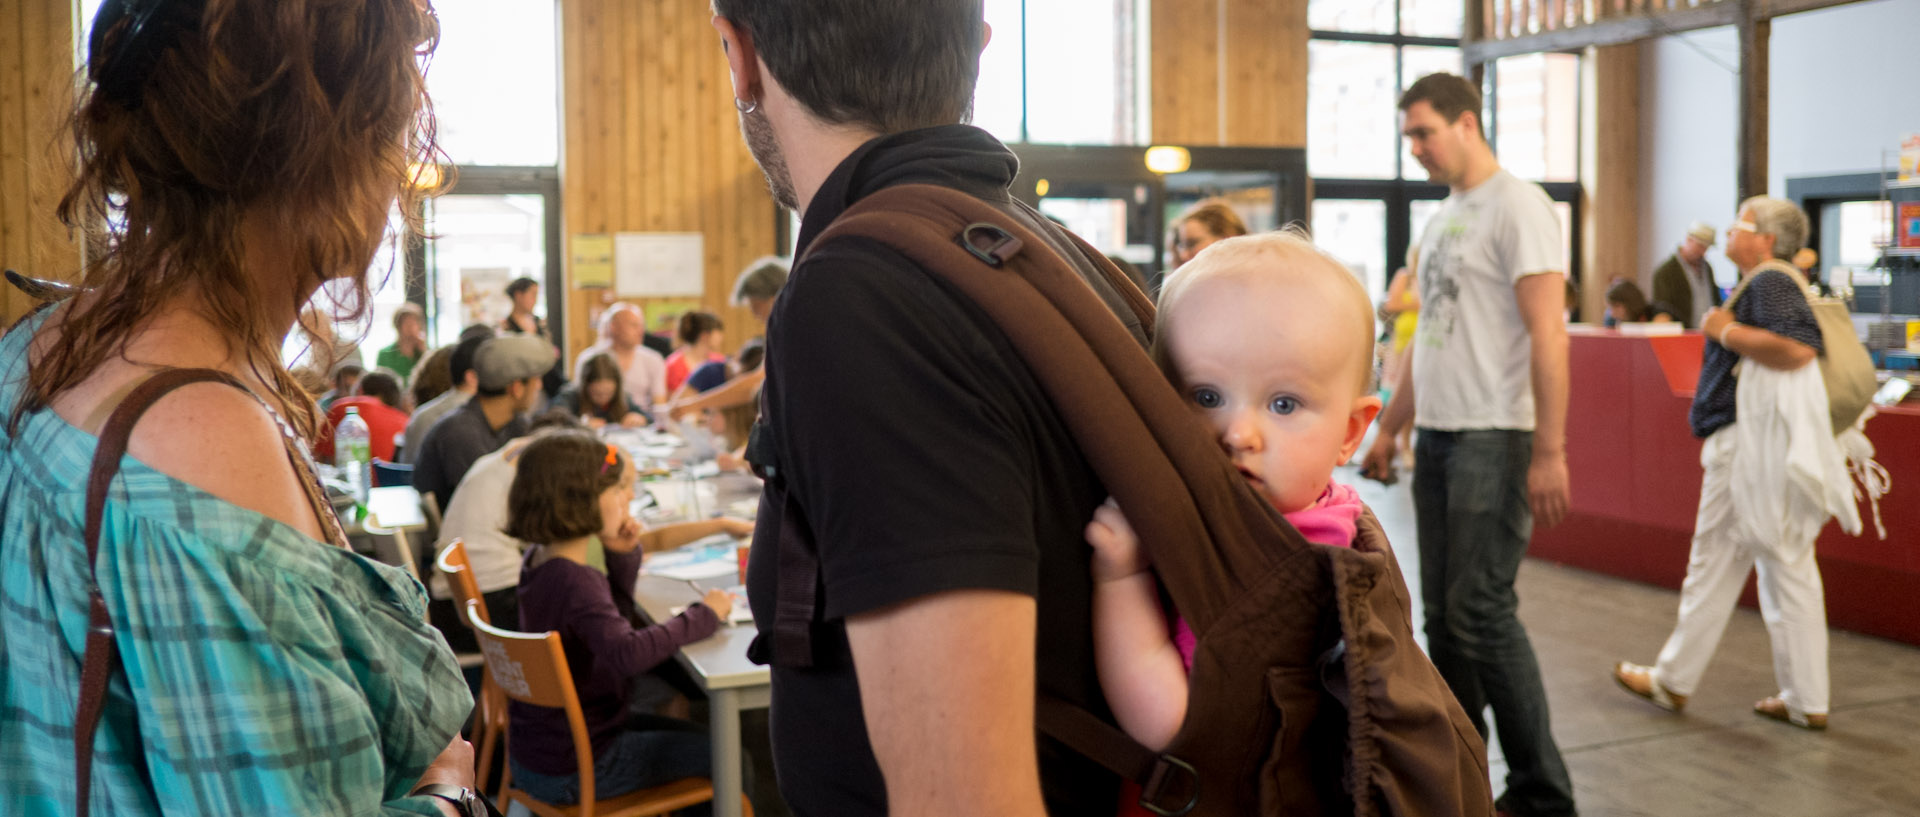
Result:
x=499 y=180
x=1399 y=192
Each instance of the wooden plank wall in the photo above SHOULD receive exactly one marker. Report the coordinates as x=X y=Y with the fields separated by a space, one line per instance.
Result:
x=1611 y=168
x=1265 y=76
x=36 y=72
x=651 y=142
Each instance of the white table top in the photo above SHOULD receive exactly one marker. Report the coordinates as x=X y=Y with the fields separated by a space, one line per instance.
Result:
x=396 y=506
x=716 y=662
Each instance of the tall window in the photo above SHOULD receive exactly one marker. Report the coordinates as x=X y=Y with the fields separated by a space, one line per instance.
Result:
x=1372 y=199
x=1064 y=72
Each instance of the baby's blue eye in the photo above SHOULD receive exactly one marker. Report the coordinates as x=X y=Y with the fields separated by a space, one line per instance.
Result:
x=1206 y=398
x=1283 y=405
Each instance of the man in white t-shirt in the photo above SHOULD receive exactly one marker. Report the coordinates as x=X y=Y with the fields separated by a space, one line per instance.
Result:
x=1487 y=390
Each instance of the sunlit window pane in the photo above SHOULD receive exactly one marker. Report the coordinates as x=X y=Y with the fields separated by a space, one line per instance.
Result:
x=1369 y=16
x=1102 y=222
x=481 y=243
x=1083 y=72
x=1356 y=233
x=1538 y=119
x=1350 y=110
x=1864 y=227
x=1077 y=86
x=996 y=97
x=1417 y=61
x=494 y=83
x=1430 y=18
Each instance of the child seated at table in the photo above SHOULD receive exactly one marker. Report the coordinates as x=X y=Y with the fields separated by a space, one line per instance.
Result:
x=1272 y=342
x=569 y=489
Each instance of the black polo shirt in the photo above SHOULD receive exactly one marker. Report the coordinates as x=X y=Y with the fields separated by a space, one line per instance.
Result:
x=926 y=458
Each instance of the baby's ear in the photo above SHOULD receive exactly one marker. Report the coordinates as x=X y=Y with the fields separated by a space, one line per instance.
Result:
x=1358 y=418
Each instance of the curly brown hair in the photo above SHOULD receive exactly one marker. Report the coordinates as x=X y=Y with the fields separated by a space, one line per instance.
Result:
x=307 y=117
x=557 y=486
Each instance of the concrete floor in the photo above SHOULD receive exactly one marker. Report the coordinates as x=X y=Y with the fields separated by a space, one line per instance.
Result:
x=1630 y=759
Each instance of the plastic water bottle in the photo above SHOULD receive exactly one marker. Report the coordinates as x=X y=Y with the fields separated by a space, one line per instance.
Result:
x=353 y=453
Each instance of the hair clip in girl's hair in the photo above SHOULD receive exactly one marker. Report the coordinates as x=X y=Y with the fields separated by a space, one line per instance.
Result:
x=613 y=458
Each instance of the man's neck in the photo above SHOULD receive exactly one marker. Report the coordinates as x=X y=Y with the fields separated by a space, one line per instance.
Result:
x=812 y=148
x=1481 y=165
x=499 y=411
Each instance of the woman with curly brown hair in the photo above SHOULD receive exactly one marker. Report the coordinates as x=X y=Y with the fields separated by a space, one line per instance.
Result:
x=235 y=156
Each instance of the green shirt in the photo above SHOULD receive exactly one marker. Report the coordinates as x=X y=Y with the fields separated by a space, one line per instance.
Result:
x=392 y=358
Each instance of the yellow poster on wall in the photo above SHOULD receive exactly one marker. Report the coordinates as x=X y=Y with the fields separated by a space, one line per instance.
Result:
x=592 y=260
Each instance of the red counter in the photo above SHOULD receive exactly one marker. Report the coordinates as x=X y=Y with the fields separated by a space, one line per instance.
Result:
x=1636 y=485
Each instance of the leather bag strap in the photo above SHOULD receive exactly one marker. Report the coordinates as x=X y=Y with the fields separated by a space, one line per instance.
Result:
x=102 y=656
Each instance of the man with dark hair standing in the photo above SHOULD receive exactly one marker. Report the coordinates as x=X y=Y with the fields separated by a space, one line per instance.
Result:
x=942 y=494
x=1487 y=389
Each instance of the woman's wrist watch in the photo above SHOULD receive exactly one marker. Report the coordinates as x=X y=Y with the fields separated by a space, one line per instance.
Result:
x=465 y=801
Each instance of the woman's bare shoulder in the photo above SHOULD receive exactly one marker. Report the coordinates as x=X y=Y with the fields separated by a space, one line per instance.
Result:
x=224 y=441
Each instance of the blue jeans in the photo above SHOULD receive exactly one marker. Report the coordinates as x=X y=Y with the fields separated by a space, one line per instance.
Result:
x=653 y=750
x=1470 y=502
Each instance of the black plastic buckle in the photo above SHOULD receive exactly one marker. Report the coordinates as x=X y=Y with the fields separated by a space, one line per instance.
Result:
x=1166 y=769
x=988 y=242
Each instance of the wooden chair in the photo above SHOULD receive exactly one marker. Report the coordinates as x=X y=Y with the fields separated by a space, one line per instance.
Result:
x=490 y=711
x=532 y=669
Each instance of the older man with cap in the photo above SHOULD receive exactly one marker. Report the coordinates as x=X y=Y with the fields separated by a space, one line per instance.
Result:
x=508 y=371
x=1685 y=282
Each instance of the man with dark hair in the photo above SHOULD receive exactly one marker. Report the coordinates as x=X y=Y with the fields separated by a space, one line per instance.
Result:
x=1487 y=389
x=507 y=374
x=525 y=294
x=944 y=495
x=345 y=375
x=464 y=384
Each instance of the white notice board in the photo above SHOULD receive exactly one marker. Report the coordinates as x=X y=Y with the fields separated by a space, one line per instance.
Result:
x=659 y=264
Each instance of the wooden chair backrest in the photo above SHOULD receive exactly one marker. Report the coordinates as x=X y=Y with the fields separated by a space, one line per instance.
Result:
x=452 y=564
x=532 y=669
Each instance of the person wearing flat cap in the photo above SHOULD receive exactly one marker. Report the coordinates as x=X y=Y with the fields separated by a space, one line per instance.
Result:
x=1685 y=282
x=508 y=370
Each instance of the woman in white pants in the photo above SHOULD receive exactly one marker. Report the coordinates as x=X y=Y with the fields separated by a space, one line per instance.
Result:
x=1770 y=479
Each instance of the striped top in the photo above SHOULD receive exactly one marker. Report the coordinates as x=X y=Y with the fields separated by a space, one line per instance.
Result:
x=262 y=672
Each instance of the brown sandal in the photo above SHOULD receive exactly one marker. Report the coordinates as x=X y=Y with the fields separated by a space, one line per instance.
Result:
x=1778 y=710
x=1638 y=680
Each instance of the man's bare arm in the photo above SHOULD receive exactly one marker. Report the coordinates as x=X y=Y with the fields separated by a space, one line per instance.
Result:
x=947 y=684
x=1542 y=303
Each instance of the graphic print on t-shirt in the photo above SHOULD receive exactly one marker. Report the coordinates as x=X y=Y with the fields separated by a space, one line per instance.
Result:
x=1439 y=276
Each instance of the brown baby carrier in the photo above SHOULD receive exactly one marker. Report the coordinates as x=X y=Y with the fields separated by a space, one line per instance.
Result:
x=1308 y=695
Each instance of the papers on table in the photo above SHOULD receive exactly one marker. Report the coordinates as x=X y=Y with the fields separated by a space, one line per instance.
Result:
x=698 y=570
x=742 y=614
x=708 y=558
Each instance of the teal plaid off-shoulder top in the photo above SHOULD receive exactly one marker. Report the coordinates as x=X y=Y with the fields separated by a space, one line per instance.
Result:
x=262 y=672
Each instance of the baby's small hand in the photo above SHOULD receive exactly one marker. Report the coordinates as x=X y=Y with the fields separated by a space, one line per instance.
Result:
x=1116 y=549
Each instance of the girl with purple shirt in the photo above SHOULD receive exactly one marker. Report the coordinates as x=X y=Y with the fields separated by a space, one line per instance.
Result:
x=570 y=488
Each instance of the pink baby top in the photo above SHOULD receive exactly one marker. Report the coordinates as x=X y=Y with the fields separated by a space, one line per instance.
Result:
x=1332 y=519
